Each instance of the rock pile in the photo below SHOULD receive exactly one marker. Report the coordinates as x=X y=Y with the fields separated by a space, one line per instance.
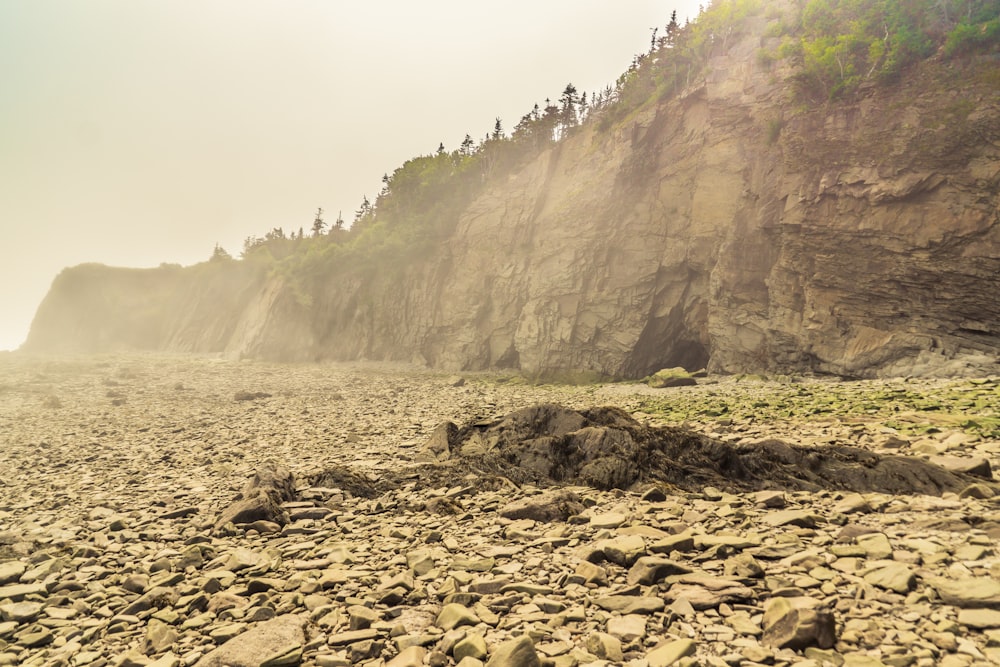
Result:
x=607 y=448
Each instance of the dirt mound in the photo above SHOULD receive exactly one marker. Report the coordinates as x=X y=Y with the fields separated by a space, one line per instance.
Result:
x=606 y=448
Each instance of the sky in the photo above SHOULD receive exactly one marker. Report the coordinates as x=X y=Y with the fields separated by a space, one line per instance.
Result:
x=135 y=132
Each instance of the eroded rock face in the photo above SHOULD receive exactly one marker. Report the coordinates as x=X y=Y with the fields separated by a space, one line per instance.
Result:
x=857 y=240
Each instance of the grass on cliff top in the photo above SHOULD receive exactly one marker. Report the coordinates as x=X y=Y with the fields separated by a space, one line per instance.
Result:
x=911 y=408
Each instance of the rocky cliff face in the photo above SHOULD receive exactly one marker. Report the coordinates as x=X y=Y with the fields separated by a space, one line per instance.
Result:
x=720 y=229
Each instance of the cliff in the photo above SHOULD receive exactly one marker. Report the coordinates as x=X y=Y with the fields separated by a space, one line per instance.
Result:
x=724 y=226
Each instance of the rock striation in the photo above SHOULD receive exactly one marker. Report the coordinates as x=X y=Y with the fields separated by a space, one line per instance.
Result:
x=722 y=227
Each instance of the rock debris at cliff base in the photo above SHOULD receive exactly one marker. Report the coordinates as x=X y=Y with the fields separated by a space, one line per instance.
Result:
x=109 y=552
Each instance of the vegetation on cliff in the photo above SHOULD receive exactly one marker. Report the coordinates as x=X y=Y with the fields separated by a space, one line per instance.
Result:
x=833 y=48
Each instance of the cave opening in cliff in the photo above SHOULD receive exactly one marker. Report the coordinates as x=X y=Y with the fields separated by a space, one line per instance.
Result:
x=652 y=354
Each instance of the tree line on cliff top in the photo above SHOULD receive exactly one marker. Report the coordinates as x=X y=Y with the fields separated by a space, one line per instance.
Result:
x=834 y=48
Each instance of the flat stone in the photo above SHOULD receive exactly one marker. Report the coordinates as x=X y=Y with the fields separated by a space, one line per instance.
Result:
x=412 y=656
x=631 y=604
x=975 y=466
x=20 y=612
x=669 y=653
x=352 y=636
x=852 y=503
x=627 y=628
x=799 y=518
x=608 y=520
x=17 y=592
x=979 y=618
x=623 y=550
x=263 y=642
x=896 y=577
x=876 y=546
x=968 y=591
x=11 y=571
x=649 y=570
x=682 y=542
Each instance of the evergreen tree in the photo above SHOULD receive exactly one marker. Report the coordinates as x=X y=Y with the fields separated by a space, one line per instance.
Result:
x=338 y=224
x=568 y=103
x=318 y=224
x=497 y=131
x=219 y=254
x=673 y=29
x=440 y=150
x=365 y=211
x=467 y=146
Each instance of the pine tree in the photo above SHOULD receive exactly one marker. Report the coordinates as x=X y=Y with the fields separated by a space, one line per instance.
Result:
x=568 y=103
x=318 y=224
x=364 y=211
x=467 y=145
x=673 y=29
x=497 y=131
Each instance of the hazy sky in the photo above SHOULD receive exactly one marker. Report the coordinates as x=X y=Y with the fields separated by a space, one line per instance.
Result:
x=135 y=132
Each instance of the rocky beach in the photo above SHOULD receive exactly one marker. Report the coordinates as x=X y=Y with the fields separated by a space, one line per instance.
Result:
x=387 y=539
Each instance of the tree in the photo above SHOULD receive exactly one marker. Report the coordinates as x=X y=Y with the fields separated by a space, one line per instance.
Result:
x=318 y=224
x=568 y=103
x=467 y=145
x=673 y=29
x=440 y=150
x=497 y=131
x=365 y=211
x=219 y=254
x=338 y=224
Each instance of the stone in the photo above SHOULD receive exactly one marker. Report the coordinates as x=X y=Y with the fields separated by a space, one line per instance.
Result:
x=261 y=498
x=275 y=640
x=455 y=615
x=671 y=377
x=20 y=612
x=361 y=617
x=681 y=542
x=979 y=618
x=159 y=637
x=649 y=570
x=631 y=604
x=18 y=592
x=798 y=623
x=852 y=503
x=11 y=571
x=800 y=518
x=968 y=592
x=591 y=573
x=896 y=577
x=670 y=653
x=517 y=652
x=975 y=466
x=608 y=520
x=875 y=545
x=623 y=550
x=604 y=646
x=472 y=645
x=546 y=507
x=627 y=628
x=412 y=656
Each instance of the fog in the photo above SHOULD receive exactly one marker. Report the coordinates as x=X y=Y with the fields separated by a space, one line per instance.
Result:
x=135 y=133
